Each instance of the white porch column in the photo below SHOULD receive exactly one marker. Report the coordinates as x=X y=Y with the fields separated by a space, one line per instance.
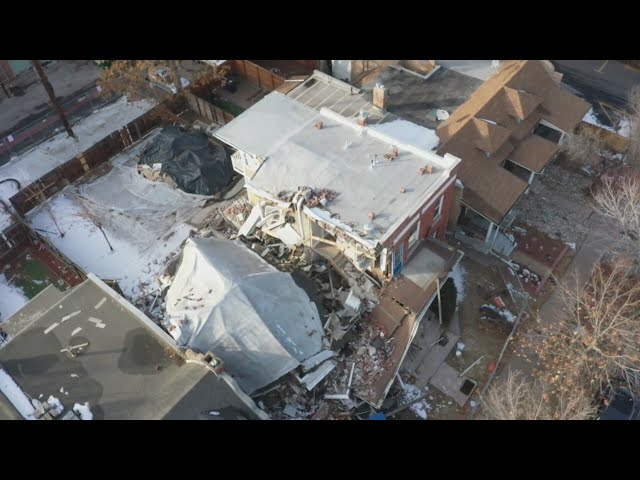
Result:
x=487 y=239
x=531 y=177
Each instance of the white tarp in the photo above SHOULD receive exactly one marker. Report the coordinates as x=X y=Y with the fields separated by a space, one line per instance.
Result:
x=227 y=300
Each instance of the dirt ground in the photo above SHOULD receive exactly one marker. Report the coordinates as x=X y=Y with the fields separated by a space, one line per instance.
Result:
x=480 y=337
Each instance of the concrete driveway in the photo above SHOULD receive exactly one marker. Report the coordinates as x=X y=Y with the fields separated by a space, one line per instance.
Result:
x=607 y=81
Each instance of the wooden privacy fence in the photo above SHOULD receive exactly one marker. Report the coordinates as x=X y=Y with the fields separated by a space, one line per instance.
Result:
x=207 y=109
x=617 y=143
x=255 y=73
x=13 y=241
x=44 y=187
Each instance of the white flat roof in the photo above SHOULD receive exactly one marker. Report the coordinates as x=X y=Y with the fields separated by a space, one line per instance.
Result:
x=263 y=127
x=299 y=154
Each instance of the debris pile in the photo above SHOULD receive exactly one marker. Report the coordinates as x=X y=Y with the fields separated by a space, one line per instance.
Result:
x=525 y=275
x=320 y=197
x=313 y=197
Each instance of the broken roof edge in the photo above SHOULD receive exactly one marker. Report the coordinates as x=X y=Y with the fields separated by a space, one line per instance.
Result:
x=441 y=184
x=170 y=342
x=419 y=319
x=317 y=214
x=446 y=162
x=146 y=321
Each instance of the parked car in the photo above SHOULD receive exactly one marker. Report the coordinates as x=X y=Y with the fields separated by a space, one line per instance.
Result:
x=622 y=406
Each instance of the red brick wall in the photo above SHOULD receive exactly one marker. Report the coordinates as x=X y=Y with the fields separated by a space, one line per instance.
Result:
x=426 y=220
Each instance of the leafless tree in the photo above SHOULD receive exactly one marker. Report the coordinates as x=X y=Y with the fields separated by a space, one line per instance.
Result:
x=89 y=213
x=619 y=198
x=132 y=78
x=518 y=398
x=633 y=151
x=595 y=342
x=583 y=147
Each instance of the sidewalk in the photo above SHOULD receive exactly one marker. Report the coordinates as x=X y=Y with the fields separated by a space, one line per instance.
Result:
x=67 y=78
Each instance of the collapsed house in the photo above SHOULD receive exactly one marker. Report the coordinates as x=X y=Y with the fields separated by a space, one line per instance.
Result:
x=188 y=160
x=360 y=198
x=87 y=354
x=349 y=192
x=224 y=298
x=505 y=130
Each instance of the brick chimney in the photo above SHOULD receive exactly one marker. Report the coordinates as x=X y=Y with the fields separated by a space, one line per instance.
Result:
x=379 y=96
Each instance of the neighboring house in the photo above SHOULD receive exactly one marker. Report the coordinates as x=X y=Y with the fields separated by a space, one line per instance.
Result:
x=89 y=347
x=389 y=194
x=505 y=130
x=508 y=131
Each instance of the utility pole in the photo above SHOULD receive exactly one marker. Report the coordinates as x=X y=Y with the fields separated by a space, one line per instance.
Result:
x=52 y=96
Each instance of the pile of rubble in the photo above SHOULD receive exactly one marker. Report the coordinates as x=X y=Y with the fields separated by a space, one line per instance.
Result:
x=312 y=196
x=524 y=274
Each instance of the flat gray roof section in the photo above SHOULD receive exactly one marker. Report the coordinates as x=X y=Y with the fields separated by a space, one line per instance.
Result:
x=128 y=370
x=324 y=91
x=260 y=129
x=338 y=156
x=413 y=98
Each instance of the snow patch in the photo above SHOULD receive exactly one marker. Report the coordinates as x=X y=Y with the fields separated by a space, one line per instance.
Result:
x=12 y=298
x=623 y=128
x=16 y=396
x=458 y=275
x=409 y=133
x=506 y=314
x=82 y=409
x=411 y=392
x=144 y=221
x=55 y=404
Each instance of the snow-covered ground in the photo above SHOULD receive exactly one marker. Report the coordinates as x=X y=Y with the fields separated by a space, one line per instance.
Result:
x=16 y=396
x=506 y=314
x=622 y=129
x=12 y=298
x=83 y=410
x=61 y=148
x=410 y=133
x=411 y=392
x=458 y=276
x=144 y=221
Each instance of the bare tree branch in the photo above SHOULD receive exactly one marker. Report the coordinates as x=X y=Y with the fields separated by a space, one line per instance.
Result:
x=516 y=398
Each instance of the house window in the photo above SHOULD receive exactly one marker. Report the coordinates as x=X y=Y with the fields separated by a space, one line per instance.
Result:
x=415 y=232
x=436 y=214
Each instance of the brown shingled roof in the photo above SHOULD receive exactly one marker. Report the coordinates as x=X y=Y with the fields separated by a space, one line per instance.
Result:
x=564 y=110
x=534 y=153
x=489 y=137
x=514 y=100
x=520 y=104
